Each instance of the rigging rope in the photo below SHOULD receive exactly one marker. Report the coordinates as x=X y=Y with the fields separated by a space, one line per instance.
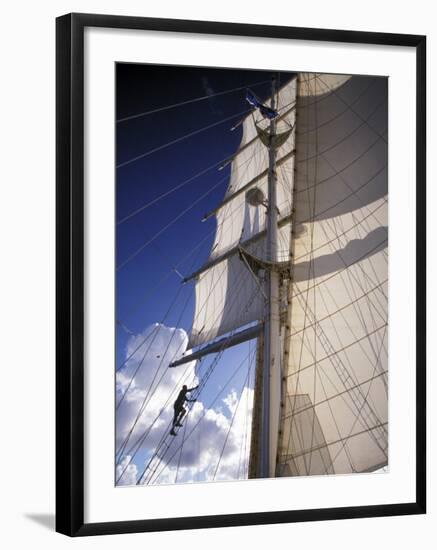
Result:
x=156 y=287
x=242 y=460
x=135 y=350
x=151 y=239
x=204 y=305
x=198 y=200
x=179 y=139
x=188 y=101
x=140 y=302
x=169 y=192
x=166 y=434
x=156 y=333
x=358 y=224
x=362 y=405
x=221 y=390
x=314 y=324
x=134 y=449
x=180 y=454
x=349 y=106
x=201 y=385
x=344 y=377
x=144 y=404
x=230 y=425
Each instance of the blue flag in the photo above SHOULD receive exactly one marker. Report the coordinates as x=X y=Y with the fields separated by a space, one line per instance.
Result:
x=267 y=112
x=252 y=99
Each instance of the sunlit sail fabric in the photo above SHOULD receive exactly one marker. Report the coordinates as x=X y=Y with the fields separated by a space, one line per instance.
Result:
x=227 y=295
x=334 y=410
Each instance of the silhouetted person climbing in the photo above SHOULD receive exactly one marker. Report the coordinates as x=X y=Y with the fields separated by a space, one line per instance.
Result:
x=179 y=409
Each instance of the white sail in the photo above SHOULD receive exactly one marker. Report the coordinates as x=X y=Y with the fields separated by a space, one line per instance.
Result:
x=227 y=295
x=334 y=413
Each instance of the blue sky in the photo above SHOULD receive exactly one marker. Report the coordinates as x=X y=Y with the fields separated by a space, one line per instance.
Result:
x=147 y=284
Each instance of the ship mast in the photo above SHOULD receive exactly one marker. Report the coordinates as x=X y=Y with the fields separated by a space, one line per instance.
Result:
x=271 y=376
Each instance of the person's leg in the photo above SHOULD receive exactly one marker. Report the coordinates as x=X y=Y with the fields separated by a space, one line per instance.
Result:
x=175 y=420
x=175 y=417
x=181 y=415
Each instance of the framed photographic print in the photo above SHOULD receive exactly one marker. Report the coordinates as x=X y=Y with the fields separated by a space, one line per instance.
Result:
x=240 y=274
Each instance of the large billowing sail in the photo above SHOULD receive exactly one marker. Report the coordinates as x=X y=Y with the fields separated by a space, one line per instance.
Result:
x=332 y=201
x=334 y=406
x=227 y=295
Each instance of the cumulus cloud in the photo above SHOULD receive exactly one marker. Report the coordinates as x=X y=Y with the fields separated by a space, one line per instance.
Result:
x=126 y=472
x=146 y=380
x=215 y=440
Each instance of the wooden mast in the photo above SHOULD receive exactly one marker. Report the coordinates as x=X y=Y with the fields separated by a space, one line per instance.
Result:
x=271 y=378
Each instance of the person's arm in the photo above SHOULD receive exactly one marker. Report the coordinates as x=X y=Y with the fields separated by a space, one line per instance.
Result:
x=191 y=400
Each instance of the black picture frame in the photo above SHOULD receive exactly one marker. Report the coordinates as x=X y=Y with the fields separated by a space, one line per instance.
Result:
x=70 y=273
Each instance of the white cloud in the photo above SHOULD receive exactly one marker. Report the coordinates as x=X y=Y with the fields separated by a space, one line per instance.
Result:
x=147 y=378
x=231 y=401
x=205 y=429
x=126 y=472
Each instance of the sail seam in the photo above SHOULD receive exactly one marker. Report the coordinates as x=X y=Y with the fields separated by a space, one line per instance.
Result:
x=366 y=120
x=340 y=440
x=348 y=346
x=323 y=401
